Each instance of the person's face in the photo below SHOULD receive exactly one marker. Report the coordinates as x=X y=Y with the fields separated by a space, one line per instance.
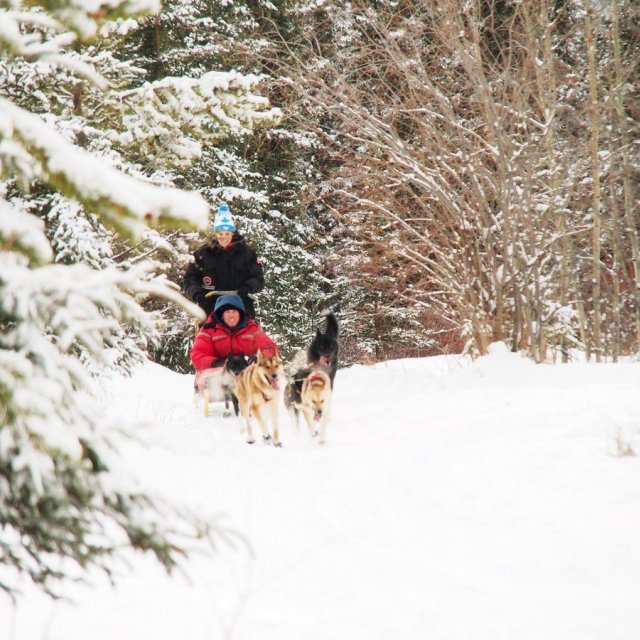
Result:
x=231 y=317
x=224 y=238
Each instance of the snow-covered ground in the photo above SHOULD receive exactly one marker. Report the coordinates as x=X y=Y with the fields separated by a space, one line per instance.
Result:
x=454 y=500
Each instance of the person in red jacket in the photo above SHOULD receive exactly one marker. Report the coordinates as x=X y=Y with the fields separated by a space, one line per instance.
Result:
x=228 y=330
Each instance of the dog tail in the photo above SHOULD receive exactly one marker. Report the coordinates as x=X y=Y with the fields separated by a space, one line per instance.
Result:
x=331 y=327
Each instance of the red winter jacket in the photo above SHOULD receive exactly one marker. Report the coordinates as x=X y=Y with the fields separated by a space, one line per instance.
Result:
x=215 y=342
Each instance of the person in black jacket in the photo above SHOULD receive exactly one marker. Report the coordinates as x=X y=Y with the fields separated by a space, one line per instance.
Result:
x=225 y=263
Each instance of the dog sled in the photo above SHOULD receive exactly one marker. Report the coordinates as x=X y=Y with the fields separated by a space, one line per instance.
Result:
x=214 y=385
x=207 y=380
x=254 y=386
x=217 y=384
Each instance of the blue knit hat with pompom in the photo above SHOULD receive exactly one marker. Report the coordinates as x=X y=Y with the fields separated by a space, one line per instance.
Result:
x=223 y=220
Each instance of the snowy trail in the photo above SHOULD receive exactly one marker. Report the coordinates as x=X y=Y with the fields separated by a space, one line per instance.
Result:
x=453 y=500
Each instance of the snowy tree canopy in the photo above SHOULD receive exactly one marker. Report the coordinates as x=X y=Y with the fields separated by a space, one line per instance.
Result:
x=63 y=495
x=261 y=172
x=187 y=112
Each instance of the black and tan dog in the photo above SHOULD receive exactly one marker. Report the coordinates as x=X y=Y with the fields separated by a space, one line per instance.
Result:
x=324 y=349
x=258 y=390
x=309 y=393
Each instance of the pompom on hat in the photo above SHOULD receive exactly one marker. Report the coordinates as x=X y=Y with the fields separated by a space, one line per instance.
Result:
x=223 y=220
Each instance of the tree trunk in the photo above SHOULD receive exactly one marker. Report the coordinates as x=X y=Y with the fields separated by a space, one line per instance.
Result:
x=627 y=185
x=595 y=175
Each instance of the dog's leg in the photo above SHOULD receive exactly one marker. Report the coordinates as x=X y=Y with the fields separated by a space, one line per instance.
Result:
x=326 y=413
x=296 y=417
x=245 y=411
x=274 y=422
x=227 y=412
x=263 y=425
x=234 y=401
x=308 y=418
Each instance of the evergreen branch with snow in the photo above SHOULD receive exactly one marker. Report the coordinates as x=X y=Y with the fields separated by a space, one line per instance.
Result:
x=60 y=483
x=169 y=120
x=81 y=19
x=66 y=501
x=128 y=204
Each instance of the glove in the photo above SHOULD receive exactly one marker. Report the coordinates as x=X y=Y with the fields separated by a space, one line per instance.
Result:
x=206 y=304
x=200 y=299
x=243 y=292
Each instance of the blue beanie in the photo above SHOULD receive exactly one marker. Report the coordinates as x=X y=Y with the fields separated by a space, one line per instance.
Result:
x=223 y=220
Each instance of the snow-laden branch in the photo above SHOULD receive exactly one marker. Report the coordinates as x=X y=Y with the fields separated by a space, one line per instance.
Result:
x=57 y=321
x=23 y=233
x=83 y=17
x=170 y=119
x=79 y=305
x=127 y=204
x=34 y=35
x=66 y=502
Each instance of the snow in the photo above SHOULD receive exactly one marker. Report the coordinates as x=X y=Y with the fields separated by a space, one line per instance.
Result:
x=454 y=499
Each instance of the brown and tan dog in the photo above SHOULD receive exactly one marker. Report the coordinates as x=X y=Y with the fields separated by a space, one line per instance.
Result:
x=258 y=390
x=310 y=393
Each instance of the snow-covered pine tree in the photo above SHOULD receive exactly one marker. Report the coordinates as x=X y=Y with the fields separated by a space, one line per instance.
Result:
x=65 y=308
x=259 y=172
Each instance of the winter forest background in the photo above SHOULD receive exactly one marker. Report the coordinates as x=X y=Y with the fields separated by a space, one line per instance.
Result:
x=443 y=174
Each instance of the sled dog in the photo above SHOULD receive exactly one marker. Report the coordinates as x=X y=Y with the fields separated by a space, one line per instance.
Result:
x=309 y=392
x=258 y=390
x=323 y=349
x=218 y=384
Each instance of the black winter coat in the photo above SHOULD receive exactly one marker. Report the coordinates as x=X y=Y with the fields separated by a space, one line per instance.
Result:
x=236 y=268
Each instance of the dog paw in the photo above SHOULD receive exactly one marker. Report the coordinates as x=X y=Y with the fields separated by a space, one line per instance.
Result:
x=267 y=439
x=250 y=441
x=277 y=444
